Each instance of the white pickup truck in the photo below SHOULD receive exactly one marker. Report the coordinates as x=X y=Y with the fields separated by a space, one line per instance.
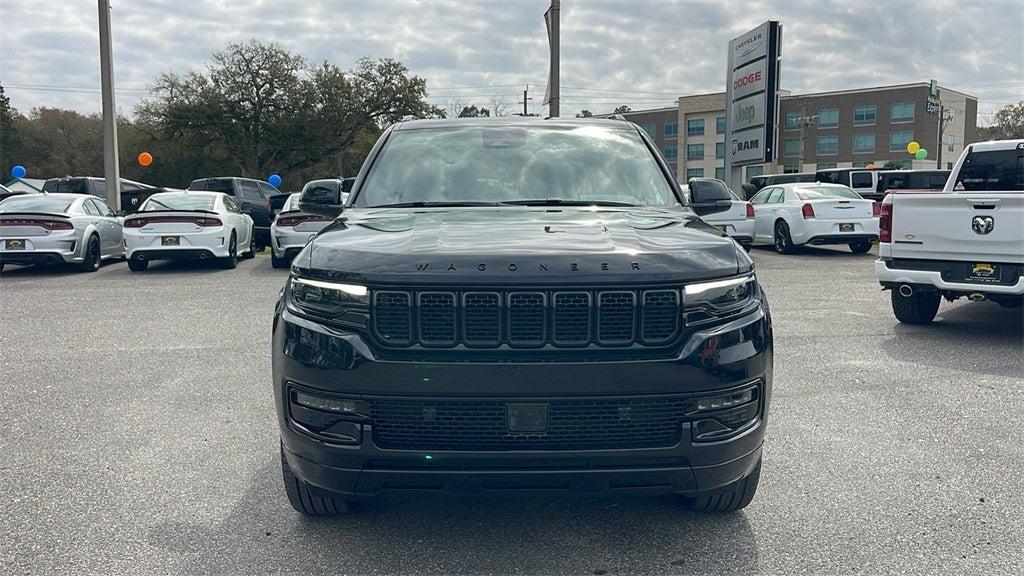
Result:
x=967 y=240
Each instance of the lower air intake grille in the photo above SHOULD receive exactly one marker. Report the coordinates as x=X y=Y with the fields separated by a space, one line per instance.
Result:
x=582 y=424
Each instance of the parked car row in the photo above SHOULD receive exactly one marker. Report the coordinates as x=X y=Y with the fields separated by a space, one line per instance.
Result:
x=869 y=183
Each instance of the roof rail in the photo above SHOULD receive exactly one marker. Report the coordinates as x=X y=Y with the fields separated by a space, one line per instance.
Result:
x=618 y=117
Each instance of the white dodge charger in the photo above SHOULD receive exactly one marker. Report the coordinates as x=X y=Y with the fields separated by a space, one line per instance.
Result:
x=186 y=225
x=789 y=215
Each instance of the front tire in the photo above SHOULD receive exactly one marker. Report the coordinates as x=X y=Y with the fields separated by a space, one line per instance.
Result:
x=306 y=502
x=138 y=264
x=91 y=262
x=230 y=261
x=783 y=241
x=918 y=308
x=735 y=497
x=860 y=247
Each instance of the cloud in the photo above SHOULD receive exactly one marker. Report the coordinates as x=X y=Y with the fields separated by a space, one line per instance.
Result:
x=642 y=53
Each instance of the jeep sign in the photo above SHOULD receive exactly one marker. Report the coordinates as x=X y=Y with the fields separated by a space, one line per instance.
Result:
x=747 y=113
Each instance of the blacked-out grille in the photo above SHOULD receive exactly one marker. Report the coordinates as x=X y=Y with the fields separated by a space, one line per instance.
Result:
x=573 y=424
x=392 y=317
x=526 y=318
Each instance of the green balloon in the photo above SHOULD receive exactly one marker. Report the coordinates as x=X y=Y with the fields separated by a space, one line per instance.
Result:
x=921 y=154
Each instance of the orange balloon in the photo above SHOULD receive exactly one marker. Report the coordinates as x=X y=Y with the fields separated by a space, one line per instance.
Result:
x=145 y=159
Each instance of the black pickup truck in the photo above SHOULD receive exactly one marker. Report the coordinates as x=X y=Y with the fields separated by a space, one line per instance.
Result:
x=520 y=304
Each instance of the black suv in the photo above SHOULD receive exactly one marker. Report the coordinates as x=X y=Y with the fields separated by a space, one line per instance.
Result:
x=514 y=304
x=253 y=197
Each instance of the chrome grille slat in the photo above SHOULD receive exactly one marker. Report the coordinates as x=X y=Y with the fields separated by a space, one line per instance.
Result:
x=568 y=318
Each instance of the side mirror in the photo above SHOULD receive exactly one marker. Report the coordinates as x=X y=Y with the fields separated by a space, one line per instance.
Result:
x=322 y=201
x=709 y=197
x=714 y=207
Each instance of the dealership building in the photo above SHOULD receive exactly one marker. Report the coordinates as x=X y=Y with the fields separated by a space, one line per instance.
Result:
x=842 y=129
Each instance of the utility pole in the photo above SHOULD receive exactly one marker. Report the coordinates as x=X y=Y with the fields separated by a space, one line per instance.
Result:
x=805 y=121
x=526 y=99
x=943 y=119
x=551 y=97
x=110 y=168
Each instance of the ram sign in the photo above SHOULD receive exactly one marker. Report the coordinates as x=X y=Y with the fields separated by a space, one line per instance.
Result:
x=752 y=98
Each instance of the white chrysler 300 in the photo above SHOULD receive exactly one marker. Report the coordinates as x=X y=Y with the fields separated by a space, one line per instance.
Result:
x=790 y=215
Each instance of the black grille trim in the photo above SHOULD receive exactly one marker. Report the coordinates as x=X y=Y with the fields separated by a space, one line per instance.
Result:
x=533 y=318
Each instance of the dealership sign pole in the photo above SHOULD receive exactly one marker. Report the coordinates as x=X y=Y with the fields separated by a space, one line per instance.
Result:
x=551 y=96
x=752 y=100
x=110 y=168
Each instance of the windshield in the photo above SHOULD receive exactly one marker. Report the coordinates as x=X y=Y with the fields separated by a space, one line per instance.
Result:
x=178 y=202
x=213 y=185
x=992 y=170
x=826 y=192
x=35 y=203
x=66 y=185
x=512 y=163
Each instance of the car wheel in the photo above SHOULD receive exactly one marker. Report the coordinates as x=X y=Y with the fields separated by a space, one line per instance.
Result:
x=735 y=497
x=251 y=252
x=305 y=501
x=276 y=262
x=860 y=247
x=138 y=264
x=918 y=308
x=91 y=263
x=231 y=260
x=783 y=241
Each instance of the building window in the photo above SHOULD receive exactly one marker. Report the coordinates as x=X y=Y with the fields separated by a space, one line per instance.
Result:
x=753 y=171
x=828 y=145
x=695 y=127
x=720 y=150
x=720 y=173
x=790 y=168
x=825 y=165
x=792 y=120
x=720 y=125
x=651 y=130
x=671 y=130
x=828 y=118
x=902 y=112
x=694 y=173
x=791 y=147
x=864 y=143
x=694 y=151
x=898 y=140
x=864 y=115
x=671 y=153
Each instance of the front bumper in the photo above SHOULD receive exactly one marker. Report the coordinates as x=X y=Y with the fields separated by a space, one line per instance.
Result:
x=709 y=361
x=891 y=275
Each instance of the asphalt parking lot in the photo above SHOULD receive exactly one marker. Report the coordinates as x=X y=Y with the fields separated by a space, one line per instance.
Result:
x=138 y=437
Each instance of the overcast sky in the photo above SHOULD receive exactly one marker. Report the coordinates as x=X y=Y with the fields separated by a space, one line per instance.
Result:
x=642 y=53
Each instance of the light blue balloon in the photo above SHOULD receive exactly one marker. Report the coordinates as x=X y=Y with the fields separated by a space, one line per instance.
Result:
x=19 y=171
x=274 y=180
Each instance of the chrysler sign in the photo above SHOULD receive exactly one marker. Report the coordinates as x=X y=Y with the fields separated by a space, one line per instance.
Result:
x=752 y=100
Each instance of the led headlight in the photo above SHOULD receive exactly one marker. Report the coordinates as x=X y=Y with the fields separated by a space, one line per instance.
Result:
x=721 y=294
x=328 y=298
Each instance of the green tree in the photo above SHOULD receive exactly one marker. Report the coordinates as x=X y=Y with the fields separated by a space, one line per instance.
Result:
x=623 y=109
x=259 y=109
x=472 y=111
x=9 y=140
x=1007 y=124
x=585 y=113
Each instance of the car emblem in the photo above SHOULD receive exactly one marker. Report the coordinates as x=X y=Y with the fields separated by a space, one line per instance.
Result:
x=983 y=224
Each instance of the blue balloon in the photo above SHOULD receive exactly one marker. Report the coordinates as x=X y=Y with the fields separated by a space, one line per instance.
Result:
x=274 y=180
x=19 y=171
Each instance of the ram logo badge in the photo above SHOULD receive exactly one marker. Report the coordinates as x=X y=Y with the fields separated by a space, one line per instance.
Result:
x=983 y=224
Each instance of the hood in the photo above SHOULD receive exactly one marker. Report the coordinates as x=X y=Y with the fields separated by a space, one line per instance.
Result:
x=519 y=245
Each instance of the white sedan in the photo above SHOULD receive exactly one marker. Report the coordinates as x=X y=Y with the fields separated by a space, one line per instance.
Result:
x=184 y=225
x=291 y=230
x=789 y=215
x=737 y=221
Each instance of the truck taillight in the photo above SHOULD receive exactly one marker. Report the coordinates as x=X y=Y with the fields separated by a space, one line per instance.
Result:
x=876 y=209
x=807 y=210
x=885 y=223
x=750 y=211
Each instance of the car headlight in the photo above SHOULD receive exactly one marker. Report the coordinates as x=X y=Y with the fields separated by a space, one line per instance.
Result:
x=330 y=299
x=709 y=300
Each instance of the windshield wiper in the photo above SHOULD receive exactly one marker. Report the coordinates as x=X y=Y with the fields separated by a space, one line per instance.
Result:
x=562 y=202
x=433 y=204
